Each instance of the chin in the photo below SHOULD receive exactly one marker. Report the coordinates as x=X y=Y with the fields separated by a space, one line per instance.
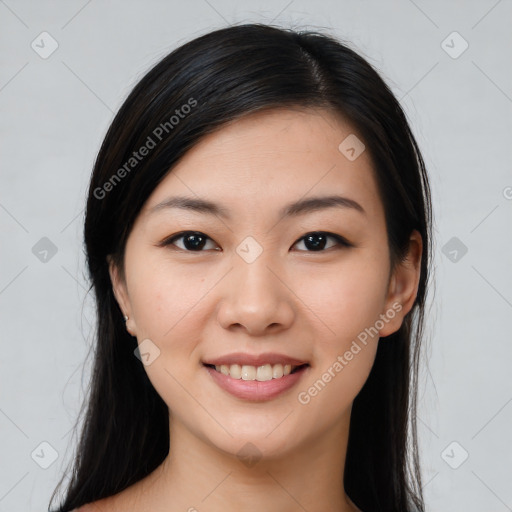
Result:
x=255 y=446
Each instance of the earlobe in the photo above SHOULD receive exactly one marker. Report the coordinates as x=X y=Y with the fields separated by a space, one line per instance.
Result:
x=120 y=293
x=403 y=286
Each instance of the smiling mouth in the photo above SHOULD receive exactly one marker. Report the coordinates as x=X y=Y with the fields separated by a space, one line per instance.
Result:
x=261 y=373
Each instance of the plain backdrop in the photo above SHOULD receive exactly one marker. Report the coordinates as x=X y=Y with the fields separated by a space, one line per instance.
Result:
x=66 y=67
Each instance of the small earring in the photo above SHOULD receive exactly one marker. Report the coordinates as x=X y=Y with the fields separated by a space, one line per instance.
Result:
x=125 y=318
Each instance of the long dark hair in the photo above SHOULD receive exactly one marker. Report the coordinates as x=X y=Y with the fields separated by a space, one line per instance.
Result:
x=219 y=77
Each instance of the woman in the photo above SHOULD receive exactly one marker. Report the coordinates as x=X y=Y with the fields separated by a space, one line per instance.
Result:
x=258 y=236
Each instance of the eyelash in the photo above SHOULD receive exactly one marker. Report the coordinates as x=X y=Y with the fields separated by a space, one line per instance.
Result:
x=339 y=239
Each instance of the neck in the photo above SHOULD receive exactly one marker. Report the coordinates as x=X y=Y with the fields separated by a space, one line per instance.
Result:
x=197 y=476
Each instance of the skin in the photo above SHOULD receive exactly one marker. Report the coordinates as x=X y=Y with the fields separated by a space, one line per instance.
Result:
x=292 y=300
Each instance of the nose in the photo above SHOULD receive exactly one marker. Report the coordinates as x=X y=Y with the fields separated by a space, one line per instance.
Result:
x=256 y=298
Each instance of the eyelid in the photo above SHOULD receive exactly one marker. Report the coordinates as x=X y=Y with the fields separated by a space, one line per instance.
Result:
x=341 y=241
x=171 y=239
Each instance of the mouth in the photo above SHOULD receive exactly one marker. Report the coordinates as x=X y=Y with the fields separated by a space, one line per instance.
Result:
x=261 y=373
x=256 y=383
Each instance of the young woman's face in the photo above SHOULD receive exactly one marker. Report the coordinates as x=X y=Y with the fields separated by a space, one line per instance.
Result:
x=262 y=282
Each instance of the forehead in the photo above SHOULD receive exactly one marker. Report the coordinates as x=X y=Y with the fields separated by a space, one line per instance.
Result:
x=267 y=159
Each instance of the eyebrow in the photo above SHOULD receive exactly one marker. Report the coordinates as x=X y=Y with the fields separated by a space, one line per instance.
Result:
x=294 y=209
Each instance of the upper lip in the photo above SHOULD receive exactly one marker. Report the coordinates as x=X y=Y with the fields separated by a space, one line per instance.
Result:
x=254 y=360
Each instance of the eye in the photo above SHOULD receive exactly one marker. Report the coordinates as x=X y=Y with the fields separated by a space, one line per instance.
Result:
x=316 y=241
x=193 y=241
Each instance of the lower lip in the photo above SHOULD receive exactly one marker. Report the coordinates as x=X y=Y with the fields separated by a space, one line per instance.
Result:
x=256 y=390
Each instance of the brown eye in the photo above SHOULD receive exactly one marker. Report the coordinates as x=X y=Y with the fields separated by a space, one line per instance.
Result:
x=193 y=241
x=317 y=241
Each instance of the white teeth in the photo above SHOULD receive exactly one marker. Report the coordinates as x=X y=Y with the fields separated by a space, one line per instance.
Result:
x=277 y=371
x=248 y=372
x=264 y=372
x=260 y=373
x=235 y=371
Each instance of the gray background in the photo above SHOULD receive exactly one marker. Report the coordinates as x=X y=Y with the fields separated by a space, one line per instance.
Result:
x=55 y=112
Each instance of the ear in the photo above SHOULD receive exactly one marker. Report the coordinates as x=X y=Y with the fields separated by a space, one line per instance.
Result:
x=403 y=286
x=121 y=294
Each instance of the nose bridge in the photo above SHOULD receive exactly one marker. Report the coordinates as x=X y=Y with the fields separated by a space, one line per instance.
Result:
x=253 y=278
x=254 y=296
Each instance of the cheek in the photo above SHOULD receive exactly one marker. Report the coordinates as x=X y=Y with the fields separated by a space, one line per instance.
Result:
x=330 y=391
x=349 y=302
x=164 y=297
x=347 y=298
x=168 y=310
x=345 y=355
